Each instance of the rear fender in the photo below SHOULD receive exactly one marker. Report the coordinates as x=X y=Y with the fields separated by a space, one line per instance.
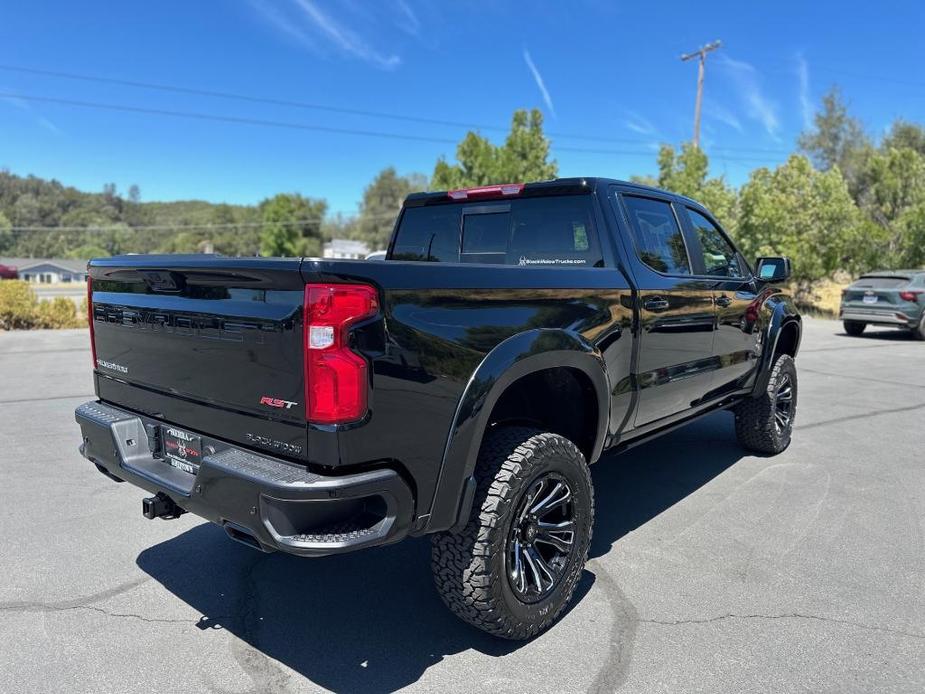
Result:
x=518 y=356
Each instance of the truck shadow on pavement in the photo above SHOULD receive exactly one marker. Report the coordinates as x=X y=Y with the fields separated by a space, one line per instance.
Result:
x=372 y=621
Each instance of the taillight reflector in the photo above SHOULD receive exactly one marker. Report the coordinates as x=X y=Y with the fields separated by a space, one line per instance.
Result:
x=910 y=296
x=90 y=319
x=336 y=380
x=502 y=190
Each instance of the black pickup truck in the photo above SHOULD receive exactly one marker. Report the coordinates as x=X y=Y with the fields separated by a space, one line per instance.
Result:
x=460 y=388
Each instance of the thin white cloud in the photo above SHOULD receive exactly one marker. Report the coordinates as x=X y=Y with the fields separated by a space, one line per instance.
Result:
x=406 y=19
x=24 y=105
x=17 y=102
x=748 y=83
x=538 y=78
x=639 y=124
x=345 y=38
x=305 y=22
x=718 y=112
x=272 y=15
x=49 y=126
x=806 y=101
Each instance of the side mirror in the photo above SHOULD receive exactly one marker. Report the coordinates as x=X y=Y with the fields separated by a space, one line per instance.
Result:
x=773 y=269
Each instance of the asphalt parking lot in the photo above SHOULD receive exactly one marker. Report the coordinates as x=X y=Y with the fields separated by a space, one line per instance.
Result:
x=710 y=570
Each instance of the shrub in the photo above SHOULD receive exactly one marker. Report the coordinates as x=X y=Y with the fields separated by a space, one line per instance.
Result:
x=60 y=312
x=21 y=309
x=18 y=305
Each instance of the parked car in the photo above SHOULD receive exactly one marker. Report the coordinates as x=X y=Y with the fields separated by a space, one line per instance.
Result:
x=8 y=272
x=376 y=255
x=459 y=389
x=893 y=299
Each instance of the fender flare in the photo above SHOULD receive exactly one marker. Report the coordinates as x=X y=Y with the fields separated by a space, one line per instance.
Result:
x=516 y=357
x=780 y=310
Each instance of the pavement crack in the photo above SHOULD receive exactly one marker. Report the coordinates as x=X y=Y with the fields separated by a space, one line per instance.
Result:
x=790 y=615
x=44 y=398
x=39 y=606
x=46 y=608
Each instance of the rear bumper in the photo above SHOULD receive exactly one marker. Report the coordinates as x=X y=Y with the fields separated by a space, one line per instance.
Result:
x=262 y=501
x=878 y=317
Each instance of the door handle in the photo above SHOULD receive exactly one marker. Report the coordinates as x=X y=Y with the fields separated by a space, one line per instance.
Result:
x=722 y=301
x=655 y=304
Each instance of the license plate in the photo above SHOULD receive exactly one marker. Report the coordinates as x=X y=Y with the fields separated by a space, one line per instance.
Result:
x=868 y=299
x=182 y=449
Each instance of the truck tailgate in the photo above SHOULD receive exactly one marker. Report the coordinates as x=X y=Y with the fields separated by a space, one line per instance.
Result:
x=203 y=340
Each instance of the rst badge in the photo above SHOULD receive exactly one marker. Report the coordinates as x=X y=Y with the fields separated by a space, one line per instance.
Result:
x=277 y=403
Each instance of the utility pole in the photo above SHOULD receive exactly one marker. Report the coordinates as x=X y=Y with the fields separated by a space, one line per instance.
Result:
x=702 y=54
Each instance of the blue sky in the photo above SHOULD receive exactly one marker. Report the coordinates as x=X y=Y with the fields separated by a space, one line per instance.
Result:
x=607 y=71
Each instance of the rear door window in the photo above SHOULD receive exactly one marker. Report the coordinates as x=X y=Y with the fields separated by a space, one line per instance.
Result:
x=659 y=241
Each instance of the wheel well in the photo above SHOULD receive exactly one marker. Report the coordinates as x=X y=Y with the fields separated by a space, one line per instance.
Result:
x=789 y=339
x=561 y=400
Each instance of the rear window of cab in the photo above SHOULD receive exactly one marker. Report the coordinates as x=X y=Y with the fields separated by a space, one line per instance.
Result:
x=553 y=231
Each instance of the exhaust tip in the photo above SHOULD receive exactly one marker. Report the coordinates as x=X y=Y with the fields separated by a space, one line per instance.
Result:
x=243 y=535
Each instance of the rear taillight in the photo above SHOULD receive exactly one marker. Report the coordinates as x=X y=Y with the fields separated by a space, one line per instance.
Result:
x=910 y=296
x=336 y=381
x=90 y=319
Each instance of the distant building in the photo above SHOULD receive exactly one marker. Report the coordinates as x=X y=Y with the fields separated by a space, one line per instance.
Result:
x=48 y=270
x=345 y=248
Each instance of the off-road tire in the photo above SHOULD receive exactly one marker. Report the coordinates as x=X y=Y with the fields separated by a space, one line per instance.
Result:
x=755 y=417
x=854 y=327
x=470 y=565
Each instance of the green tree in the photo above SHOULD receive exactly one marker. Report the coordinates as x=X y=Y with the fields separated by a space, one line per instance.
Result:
x=806 y=214
x=524 y=157
x=87 y=251
x=231 y=233
x=895 y=201
x=6 y=234
x=686 y=173
x=291 y=225
x=340 y=226
x=27 y=211
x=837 y=139
x=905 y=134
x=381 y=204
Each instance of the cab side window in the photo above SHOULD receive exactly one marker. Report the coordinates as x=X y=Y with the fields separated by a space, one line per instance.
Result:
x=719 y=257
x=659 y=240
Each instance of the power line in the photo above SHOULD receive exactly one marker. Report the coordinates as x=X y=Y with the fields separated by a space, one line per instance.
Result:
x=305 y=126
x=221 y=118
x=182 y=227
x=276 y=101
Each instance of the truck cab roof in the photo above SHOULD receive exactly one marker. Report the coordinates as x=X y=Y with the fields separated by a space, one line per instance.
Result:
x=556 y=186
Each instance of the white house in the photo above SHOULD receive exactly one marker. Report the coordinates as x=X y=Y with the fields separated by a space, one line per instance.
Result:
x=48 y=270
x=345 y=248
